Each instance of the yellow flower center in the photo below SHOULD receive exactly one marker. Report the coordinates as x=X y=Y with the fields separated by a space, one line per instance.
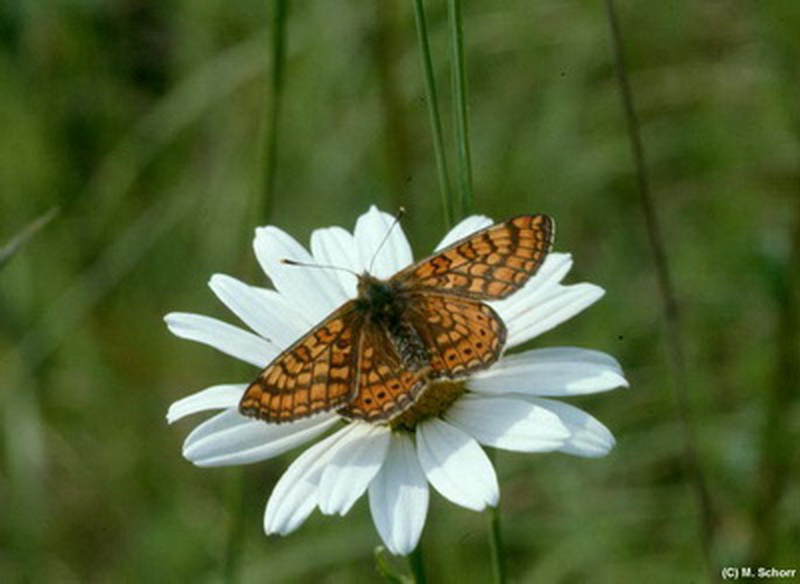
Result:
x=433 y=401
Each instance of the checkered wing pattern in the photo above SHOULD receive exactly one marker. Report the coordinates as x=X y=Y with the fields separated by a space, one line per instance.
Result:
x=386 y=386
x=461 y=335
x=488 y=265
x=315 y=374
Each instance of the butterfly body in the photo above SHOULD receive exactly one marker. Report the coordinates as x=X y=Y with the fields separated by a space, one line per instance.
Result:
x=372 y=357
x=384 y=304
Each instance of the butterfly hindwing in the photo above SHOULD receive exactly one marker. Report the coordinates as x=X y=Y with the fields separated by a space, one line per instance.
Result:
x=386 y=385
x=313 y=375
x=488 y=265
x=462 y=335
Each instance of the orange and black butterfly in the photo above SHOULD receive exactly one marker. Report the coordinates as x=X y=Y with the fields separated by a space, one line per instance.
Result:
x=371 y=358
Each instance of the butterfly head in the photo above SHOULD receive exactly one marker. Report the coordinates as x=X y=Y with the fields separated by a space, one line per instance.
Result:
x=375 y=294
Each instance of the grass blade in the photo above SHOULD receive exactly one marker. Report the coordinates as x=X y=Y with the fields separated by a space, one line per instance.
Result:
x=432 y=101
x=278 y=47
x=12 y=247
x=464 y=157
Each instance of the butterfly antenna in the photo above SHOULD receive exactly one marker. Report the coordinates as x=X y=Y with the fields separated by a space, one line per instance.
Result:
x=289 y=262
x=400 y=213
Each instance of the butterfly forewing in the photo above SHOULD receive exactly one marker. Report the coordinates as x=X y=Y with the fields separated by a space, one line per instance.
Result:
x=386 y=386
x=488 y=265
x=315 y=374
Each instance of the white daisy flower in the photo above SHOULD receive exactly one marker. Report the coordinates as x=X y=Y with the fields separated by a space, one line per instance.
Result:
x=506 y=406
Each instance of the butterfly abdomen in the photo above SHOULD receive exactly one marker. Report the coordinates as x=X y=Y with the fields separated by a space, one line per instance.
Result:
x=408 y=344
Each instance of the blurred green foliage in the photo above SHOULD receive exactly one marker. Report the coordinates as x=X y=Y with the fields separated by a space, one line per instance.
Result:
x=143 y=122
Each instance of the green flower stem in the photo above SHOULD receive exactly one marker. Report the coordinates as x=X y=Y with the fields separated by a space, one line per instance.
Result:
x=496 y=537
x=417 y=565
x=464 y=158
x=278 y=47
x=433 y=113
x=496 y=544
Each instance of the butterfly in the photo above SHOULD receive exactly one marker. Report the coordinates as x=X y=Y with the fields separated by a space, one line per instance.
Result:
x=372 y=357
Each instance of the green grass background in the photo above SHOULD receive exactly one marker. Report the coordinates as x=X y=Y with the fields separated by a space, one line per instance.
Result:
x=143 y=122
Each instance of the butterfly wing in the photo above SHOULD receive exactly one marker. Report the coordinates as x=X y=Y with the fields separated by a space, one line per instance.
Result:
x=488 y=265
x=462 y=335
x=386 y=385
x=316 y=374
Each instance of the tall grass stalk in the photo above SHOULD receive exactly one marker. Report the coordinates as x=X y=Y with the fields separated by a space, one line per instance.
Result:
x=15 y=244
x=466 y=199
x=460 y=96
x=432 y=100
x=666 y=291
x=280 y=14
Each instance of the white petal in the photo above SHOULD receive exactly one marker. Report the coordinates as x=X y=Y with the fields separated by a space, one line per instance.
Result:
x=213 y=398
x=558 y=371
x=264 y=311
x=335 y=246
x=398 y=497
x=464 y=228
x=351 y=470
x=230 y=438
x=588 y=437
x=565 y=303
x=456 y=465
x=296 y=494
x=371 y=229
x=222 y=336
x=508 y=423
x=313 y=292
x=542 y=285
